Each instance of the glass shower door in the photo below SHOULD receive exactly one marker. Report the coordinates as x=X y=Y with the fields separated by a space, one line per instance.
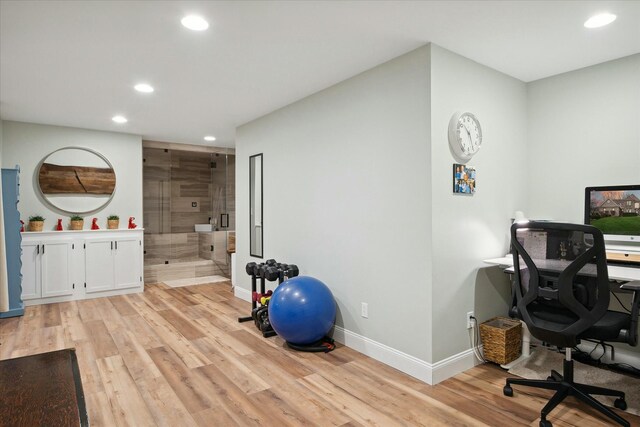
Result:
x=157 y=205
x=189 y=206
x=222 y=186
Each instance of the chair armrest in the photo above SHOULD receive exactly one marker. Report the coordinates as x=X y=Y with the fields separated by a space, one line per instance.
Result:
x=635 y=309
x=631 y=286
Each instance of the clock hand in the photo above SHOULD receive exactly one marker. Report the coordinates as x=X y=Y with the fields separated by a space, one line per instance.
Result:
x=466 y=128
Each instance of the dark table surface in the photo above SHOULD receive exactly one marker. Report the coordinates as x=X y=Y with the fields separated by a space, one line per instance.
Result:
x=42 y=390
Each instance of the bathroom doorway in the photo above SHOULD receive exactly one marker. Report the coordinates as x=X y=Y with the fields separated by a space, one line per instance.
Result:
x=189 y=214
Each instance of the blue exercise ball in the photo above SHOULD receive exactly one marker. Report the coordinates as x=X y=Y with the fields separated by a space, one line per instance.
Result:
x=302 y=310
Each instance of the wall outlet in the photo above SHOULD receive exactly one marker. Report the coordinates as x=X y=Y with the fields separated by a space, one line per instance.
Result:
x=365 y=310
x=470 y=321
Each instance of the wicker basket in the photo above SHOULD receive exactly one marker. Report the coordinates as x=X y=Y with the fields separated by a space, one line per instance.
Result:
x=36 y=225
x=113 y=224
x=76 y=225
x=501 y=339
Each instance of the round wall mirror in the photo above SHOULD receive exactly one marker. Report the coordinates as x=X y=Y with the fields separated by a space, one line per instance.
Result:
x=76 y=180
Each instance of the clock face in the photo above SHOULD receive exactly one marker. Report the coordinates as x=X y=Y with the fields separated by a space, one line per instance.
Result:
x=465 y=135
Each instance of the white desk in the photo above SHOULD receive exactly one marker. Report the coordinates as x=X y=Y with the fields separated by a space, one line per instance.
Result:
x=616 y=272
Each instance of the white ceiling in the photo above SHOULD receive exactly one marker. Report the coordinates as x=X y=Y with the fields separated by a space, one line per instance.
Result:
x=74 y=63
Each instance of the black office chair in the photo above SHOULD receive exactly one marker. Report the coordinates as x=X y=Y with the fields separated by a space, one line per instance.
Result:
x=562 y=292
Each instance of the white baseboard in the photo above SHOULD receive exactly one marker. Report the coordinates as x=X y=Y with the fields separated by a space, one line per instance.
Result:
x=431 y=373
x=242 y=293
x=82 y=296
x=453 y=365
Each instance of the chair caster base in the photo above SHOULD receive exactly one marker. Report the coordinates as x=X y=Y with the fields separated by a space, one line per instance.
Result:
x=545 y=423
x=508 y=391
x=620 y=403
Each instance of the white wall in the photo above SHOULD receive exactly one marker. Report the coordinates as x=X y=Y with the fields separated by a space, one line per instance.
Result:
x=26 y=144
x=468 y=229
x=584 y=130
x=367 y=167
x=347 y=197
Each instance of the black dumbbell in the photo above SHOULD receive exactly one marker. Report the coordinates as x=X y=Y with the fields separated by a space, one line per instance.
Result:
x=292 y=270
x=250 y=268
x=257 y=270
x=259 y=316
x=271 y=262
x=265 y=324
x=254 y=314
x=271 y=273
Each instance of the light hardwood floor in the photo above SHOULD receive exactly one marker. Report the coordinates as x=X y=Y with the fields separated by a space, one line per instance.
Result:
x=178 y=357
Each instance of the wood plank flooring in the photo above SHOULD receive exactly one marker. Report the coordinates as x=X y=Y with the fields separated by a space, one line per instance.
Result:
x=178 y=357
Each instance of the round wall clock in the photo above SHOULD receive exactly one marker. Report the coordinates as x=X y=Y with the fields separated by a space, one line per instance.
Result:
x=465 y=135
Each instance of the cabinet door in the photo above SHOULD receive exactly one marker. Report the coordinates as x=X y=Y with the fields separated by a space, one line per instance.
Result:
x=55 y=257
x=127 y=263
x=30 y=270
x=99 y=264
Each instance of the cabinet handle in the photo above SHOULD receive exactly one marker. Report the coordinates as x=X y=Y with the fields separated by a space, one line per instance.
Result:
x=116 y=245
x=38 y=249
x=43 y=249
x=111 y=245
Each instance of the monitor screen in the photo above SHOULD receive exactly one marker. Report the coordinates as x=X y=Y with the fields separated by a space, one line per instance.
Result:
x=615 y=210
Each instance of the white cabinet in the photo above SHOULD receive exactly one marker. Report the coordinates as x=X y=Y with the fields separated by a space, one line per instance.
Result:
x=55 y=269
x=67 y=265
x=46 y=269
x=99 y=264
x=31 y=284
x=113 y=263
x=127 y=265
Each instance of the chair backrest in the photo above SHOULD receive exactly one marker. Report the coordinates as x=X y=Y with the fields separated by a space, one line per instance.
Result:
x=561 y=279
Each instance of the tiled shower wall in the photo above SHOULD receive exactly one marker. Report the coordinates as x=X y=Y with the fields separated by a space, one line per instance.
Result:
x=186 y=247
x=181 y=189
x=173 y=247
x=196 y=257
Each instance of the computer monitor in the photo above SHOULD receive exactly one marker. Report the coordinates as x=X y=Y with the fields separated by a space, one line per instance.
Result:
x=615 y=210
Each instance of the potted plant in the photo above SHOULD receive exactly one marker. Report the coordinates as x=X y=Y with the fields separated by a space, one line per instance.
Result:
x=36 y=223
x=77 y=223
x=113 y=222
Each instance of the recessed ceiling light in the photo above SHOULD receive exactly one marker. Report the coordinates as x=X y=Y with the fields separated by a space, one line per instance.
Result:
x=209 y=138
x=119 y=119
x=195 y=22
x=600 y=20
x=143 y=87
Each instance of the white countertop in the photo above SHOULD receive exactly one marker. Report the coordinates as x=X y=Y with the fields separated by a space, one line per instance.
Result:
x=102 y=230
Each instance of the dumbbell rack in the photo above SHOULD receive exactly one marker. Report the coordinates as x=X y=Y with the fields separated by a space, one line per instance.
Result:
x=268 y=271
